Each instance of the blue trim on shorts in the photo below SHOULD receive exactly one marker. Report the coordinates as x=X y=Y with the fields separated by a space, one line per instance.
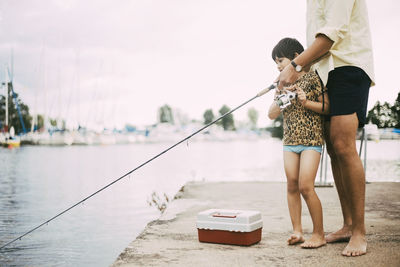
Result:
x=300 y=148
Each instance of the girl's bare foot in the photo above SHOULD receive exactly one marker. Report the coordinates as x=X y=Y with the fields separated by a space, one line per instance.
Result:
x=356 y=247
x=315 y=241
x=342 y=235
x=295 y=238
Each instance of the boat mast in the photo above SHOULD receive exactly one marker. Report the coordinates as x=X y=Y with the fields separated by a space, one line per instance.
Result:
x=6 y=92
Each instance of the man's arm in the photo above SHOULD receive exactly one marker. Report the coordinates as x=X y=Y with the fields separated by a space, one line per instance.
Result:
x=321 y=45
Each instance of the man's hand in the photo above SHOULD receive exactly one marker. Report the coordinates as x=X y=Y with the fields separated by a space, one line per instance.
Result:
x=318 y=49
x=287 y=76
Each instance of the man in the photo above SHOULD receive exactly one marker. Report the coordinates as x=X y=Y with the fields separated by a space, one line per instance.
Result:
x=339 y=42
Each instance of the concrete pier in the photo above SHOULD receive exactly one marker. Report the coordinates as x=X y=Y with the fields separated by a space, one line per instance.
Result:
x=172 y=240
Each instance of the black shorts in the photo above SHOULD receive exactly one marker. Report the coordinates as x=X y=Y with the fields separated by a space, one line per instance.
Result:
x=348 y=89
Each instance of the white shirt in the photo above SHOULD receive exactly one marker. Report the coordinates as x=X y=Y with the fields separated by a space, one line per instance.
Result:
x=345 y=22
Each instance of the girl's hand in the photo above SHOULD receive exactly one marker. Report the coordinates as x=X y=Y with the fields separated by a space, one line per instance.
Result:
x=301 y=96
x=277 y=92
x=291 y=88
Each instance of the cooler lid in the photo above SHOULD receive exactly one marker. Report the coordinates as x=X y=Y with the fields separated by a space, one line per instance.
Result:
x=229 y=220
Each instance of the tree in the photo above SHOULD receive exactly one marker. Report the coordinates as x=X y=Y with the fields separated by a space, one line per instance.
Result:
x=40 y=122
x=227 y=121
x=381 y=115
x=208 y=116
x=13 y=116
x=252 y=113
x=53 y=122
x=165 y=114
x=396 y=112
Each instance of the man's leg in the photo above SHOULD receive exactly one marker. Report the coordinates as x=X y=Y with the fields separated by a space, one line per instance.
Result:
x=344 y=233
x=342 y=136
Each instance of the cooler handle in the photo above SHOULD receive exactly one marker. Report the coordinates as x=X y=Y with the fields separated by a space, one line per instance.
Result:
x=217 y=214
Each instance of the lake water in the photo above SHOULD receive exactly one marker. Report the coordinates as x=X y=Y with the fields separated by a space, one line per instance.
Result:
x=38 y=182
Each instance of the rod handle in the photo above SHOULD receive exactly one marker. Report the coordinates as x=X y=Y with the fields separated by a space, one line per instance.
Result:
x=266 y=90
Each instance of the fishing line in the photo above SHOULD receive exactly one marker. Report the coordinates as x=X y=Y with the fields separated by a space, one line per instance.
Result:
x=264 y=91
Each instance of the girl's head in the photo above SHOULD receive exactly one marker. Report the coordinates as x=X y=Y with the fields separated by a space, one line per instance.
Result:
x=285 y=51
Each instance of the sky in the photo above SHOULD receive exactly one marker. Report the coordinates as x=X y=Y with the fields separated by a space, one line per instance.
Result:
x=108 y=63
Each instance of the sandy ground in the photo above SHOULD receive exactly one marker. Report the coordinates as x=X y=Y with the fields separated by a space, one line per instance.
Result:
x=172 y=240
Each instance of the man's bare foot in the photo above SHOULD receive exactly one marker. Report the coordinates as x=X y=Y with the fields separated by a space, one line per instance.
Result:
x=295 y=238
x=342 y=235
x=315 y=241
x=356 y=247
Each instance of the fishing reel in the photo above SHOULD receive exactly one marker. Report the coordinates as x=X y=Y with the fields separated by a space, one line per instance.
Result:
x=283 y=100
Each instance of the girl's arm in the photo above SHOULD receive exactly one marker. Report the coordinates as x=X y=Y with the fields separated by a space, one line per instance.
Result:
x=274 y=109
x=312 y=105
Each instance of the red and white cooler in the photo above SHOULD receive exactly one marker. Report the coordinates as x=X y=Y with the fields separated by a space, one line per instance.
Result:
x=235 y=227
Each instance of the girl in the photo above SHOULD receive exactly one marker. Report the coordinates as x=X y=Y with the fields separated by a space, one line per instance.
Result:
x=302 y=142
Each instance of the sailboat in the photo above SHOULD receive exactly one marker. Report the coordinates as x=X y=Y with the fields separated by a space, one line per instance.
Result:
x=13 y=141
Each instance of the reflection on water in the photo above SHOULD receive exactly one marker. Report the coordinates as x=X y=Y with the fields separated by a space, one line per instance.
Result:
x=37 y=183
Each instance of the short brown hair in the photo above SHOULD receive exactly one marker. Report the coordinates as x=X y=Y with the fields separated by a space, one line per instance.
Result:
x=287 y=47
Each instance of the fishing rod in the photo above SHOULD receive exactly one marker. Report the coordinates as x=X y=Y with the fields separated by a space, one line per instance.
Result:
x=262 y=92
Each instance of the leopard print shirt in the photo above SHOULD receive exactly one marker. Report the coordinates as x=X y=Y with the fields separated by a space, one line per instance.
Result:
x=302 y=126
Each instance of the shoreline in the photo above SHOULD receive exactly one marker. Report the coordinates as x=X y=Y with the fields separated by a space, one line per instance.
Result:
x=173 y=240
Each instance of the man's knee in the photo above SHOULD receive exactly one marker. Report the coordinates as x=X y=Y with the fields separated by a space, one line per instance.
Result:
x=341 y=146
